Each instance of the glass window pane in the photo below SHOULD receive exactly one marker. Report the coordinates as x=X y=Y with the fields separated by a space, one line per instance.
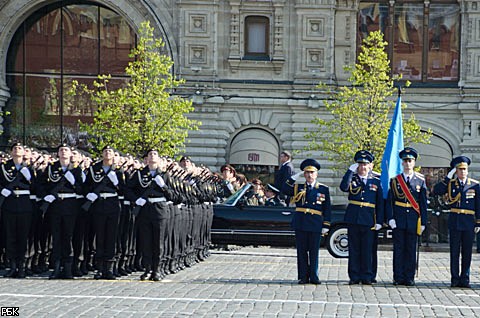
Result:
x=80 y=52
x=408 y=40
x=13 y=123
x=42 y=43
x=443 y=42
x=256 y=37
x=117 y=39
x=372 y=17
x=15 y=52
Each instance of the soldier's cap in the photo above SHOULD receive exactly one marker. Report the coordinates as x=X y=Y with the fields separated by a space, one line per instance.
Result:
x=150 y=150
x=228 y=167
x=363 y=156
x=408 y=153
x=16 y=144
x=108 y=147
x=310 y=165
x=460 y=162
x=272 y=188
x=64 y=145
x=185 y=158
x=287 y=153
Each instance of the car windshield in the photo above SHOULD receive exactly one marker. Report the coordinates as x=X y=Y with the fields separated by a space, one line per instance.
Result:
x=233 y=199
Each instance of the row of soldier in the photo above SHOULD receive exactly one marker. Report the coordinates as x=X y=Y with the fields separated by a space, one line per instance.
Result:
x=404 y=211
x=113 y=216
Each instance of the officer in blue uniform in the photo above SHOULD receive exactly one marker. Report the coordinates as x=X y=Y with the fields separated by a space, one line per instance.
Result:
x=311 y=219
x=404 y=218
x=463 y=197
x=364 y=216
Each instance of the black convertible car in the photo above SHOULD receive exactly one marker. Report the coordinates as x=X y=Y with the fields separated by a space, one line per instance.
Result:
x=235 y=222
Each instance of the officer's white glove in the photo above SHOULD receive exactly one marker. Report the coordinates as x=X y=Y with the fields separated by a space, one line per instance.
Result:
x=49 y=198
x=296 y=175
x=113 y=177
x=70 y=178
x=159 y=181
x=353 y=168
x=451 y=173
x=477 y=229
x=324 y=231
x=5 y=192
x=378 y=227
x=92 y=196
x=26 y=173
x=422 y=228
x=140 y=201
x=84 y=177
x=392 y=224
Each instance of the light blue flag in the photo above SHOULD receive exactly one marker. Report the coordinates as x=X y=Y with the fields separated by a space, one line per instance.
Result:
x=391 y=163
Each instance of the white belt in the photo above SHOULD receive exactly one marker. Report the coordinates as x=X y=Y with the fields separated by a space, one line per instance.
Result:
x=21 y=192
x=121 y=197
x=126 y=202
x=66 y=195
x=154 y=200
x=79 y=196
x=33 y=197
x=107 y=195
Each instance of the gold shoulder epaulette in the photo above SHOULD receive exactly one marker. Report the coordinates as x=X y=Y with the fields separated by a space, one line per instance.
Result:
x=319 y=184
x=474 y=181
x=419 y=175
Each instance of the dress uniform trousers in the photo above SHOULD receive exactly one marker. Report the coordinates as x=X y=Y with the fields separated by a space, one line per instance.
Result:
x=360 y=240
x=461 y=241
x=308 y=246
x=106 y=213
x=63 y=214
x=404 y=254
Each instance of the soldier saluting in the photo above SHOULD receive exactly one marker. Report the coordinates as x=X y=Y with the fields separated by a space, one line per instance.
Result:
x=311 y=218
x=406 y=209
x=364 y=216
x=463 y=197
x=16 y=182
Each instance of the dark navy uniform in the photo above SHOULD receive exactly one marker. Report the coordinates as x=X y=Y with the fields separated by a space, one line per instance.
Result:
x=464 y=216
x=398 y=208
x=312 y=213
x=364 y=211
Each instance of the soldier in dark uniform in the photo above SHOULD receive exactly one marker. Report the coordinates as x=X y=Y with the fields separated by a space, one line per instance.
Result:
x=286 y=170
x=463 y=197
x=311 y=219
x=16 y=182
x=148 y=190
x=272 y=196
x=59 y=186
x=104 y=184
x=364 y=209
x=406 y=209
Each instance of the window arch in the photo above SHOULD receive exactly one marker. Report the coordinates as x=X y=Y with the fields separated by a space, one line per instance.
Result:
x=54 y=46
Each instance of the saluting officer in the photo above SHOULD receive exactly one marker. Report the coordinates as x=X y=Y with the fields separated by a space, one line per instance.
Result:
x=364 y=216
x=16 y=182
x=104 y=184
x=311 y=218
x=60 y=185
x=463 y=197
x=406 y=210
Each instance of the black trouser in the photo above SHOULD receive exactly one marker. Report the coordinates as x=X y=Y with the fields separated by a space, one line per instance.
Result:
x=17 y=227
x=123 y=232
x=105 y=220
x=79 y=242
x=62 y=223
x=152 y=224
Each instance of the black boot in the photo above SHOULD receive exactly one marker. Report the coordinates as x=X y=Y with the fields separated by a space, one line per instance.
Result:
x=67 y=270
x=12 y=273
x=101 y=270
x=56 y=271
x=76 y=272
x=121 y=268
x=146 y=275
x=21 y=270
x=42 y=263
x=155 y=274
x=83 y=267
x=109 y=271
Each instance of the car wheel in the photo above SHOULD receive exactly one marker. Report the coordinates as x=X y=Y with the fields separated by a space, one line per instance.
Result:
x=337 y=242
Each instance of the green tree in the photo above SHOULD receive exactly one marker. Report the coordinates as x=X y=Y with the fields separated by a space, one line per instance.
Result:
x=359 y=113
x=143 y=113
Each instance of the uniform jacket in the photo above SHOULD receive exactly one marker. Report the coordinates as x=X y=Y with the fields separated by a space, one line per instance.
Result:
x=283 y=174
x=142 y=184
x=466 y=198
x=407 y=217
x=52 y=180
x=13 y=180
x=369 y=193
x=317 y=198
x=96 y=176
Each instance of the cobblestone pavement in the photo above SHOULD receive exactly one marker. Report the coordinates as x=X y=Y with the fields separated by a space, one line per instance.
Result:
x=251 y=282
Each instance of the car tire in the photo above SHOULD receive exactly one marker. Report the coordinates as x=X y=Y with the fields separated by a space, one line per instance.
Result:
x=337 y=241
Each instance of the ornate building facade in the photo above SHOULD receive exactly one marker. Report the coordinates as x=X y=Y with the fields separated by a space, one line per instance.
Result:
x=251 y=68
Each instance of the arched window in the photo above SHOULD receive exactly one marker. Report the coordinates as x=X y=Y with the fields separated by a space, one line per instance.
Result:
x=55 y=45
